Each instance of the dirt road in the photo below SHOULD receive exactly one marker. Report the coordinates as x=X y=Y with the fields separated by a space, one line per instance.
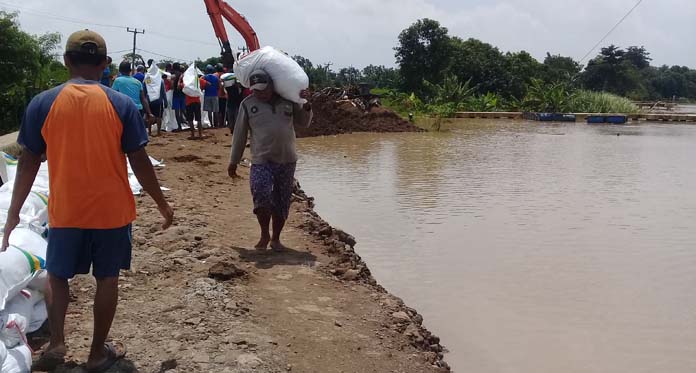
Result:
x=309 y=309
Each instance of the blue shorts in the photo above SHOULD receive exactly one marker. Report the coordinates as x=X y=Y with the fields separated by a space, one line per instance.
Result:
x=73 y=251
x=178 y=103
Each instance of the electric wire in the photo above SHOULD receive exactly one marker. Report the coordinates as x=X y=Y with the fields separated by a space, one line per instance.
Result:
x=610 y=31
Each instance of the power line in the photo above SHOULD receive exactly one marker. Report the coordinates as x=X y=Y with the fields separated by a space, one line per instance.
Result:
x=121 y=51
x=161 y=35
x=163 y=56
x=84 y=22
x=610 y=31
x=58 y=18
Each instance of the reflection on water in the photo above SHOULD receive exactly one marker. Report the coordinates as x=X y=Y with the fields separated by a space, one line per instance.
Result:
x=527 y=247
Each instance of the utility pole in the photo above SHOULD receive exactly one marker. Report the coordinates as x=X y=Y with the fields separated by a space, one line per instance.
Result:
x=135 y=35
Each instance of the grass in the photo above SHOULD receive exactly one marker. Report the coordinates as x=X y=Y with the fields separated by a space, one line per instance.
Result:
x=600 y=102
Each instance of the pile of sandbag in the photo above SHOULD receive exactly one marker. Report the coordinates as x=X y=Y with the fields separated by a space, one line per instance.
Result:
x=23 y=278
x=8 y=170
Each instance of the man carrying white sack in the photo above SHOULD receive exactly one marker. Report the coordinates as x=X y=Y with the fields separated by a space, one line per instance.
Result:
x=269 y=120
x=86 y=130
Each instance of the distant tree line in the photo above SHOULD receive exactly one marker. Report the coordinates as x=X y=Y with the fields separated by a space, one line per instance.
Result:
x=428 y=56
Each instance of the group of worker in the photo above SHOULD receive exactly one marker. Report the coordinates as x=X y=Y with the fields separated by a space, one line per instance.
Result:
x=221 y=101
x=86 y=130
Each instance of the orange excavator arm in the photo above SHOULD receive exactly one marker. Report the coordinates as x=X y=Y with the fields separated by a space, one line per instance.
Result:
x=217 y=9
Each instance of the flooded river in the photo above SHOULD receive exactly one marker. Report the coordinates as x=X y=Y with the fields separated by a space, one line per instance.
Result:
x=528 y=248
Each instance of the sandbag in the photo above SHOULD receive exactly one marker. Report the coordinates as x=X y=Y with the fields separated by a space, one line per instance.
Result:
x=35 y=208
x=18 y=267
x=8 y=171
x=155 y=163
x=8 y=167
x=135 y=186
x=169 y=120
x=14 y=332
x=29 y=241
x=288 y=77
x=3 y=354
x=39 y=315
x=205 y=119
x=192 y=87
x=18 y=360
x=24 y=304
x=153 y=83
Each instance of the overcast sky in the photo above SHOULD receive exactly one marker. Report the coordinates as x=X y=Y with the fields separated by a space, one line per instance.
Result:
x=362 y=32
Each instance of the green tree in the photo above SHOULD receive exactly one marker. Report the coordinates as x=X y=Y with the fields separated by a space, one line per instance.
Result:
x=610 y=71
x=28 y=65
x=424 y=53
x=483 y=64
x=450 y=90
x=52 y=70
x=638 y=57
x=138 y=59
x=320 y=76
x=560 y=69
x=213 y=61
x=381 y=76
x=522 y=69
x=348 y=76
x=19 y=64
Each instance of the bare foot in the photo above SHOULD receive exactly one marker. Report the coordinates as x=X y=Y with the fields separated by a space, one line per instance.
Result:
x=278 y=246
x=263 y=243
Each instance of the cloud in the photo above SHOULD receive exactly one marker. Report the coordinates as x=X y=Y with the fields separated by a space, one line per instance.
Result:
x=361 y=32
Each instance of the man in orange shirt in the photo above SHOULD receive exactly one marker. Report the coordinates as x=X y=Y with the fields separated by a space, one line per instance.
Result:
x=86 y=130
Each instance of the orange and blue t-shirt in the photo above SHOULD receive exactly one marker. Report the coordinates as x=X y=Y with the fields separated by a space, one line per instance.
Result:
x=85 y=129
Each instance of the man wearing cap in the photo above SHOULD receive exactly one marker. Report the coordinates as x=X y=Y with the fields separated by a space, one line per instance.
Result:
x=85 y=130
x=269 y=120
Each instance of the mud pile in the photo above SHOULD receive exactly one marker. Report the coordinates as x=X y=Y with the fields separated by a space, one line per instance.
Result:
x=332 y=117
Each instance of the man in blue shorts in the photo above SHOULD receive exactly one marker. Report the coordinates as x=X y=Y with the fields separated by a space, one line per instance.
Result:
x=86 y=131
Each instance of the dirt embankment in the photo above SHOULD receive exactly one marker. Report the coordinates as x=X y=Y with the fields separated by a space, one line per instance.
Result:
x=333 y=117
x=199 y=298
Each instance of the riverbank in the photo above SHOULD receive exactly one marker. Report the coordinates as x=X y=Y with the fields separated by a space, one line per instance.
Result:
x=314 y=308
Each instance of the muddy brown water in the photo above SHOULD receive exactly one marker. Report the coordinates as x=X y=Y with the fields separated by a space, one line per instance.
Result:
x=527 y=247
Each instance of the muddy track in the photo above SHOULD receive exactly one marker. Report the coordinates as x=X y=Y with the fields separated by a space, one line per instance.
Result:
x=314 y=308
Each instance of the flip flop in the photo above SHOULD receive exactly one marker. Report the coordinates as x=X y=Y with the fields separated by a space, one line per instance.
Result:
x=48 y=361
x=114 y=353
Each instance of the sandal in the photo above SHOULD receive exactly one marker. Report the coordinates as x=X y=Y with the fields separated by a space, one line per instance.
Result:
x=48 y=361
x=114 y=353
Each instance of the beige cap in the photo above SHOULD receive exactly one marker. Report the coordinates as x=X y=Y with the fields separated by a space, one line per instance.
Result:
x=86 y=41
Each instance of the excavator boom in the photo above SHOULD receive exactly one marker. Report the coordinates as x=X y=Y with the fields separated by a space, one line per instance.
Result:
x=217 y=9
